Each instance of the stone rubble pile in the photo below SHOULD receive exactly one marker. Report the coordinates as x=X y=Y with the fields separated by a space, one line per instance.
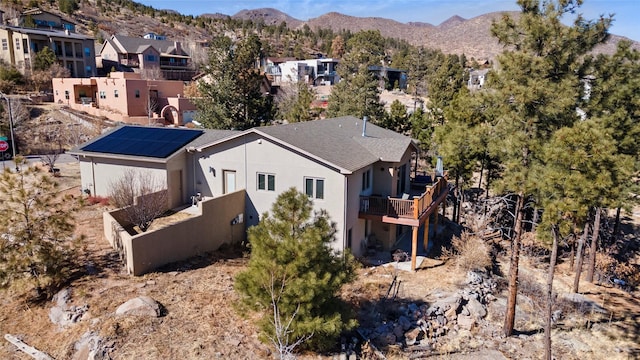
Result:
x=62 y=314
x=422 y=325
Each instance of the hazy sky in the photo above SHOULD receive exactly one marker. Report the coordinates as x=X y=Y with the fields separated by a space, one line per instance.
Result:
x=626 y=12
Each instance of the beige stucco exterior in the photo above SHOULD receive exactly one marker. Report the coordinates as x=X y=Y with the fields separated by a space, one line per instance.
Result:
x=124 y=97
x=251 y=154
x=98 y=174
x=19 y=46
x=209 y=228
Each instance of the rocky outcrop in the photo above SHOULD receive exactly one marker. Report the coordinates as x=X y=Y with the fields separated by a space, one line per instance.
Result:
x=62 y=313
x=421 y=325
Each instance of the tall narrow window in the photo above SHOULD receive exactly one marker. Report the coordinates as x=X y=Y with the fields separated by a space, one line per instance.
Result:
x=115 y=93
x=366 y=180
x=4 y=44
x=137 y=93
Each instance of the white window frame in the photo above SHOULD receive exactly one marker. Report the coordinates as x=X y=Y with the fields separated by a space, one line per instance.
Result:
x=5 y=44
x=313 y=191
x=266 y=185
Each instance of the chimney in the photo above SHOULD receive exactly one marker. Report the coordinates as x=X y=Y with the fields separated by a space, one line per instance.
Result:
x=364 y=125
x=178 y=47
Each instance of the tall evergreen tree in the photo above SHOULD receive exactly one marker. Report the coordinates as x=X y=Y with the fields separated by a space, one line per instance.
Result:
x=357 y=93
x=577 y=167
x=231 y=95
x=294 y=276
x=612 y=101
x=537 y=90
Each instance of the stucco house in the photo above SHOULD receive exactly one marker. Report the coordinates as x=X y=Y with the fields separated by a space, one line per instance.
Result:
x=312 y=71
x=126 y=97
x=147 y=54
x=19 y=44
x=356 y=171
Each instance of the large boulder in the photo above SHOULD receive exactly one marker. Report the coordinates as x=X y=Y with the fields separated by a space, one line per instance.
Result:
x=476 y=309
x=140 y=306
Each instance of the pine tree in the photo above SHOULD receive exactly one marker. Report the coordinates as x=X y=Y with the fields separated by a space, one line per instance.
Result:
x=231 y=96
x=36 y=245
x=295 y=276
x=357 y=93
x=294 y=103
x=578 y=166
x=537 y=90
x=612 y=102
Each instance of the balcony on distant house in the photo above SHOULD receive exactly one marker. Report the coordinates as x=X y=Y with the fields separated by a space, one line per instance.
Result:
x=130 y=62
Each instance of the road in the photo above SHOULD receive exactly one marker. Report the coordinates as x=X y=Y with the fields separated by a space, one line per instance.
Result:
x=32 y=159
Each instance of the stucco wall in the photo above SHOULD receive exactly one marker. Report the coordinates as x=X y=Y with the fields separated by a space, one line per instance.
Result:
x=198 y=234
x=252 y=154
x=97 y=177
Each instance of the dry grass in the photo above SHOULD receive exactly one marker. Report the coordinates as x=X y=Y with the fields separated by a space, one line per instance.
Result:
x=470 y=252
x=201 y=321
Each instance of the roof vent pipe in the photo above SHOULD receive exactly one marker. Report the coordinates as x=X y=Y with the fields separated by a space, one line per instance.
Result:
x=364 y=125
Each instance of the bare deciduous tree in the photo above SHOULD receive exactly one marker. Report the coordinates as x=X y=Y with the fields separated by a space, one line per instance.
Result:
x=141 y=195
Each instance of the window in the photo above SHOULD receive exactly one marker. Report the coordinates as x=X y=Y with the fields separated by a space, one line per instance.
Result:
x=66 y=94
x=17 y=44
x=314 y=188
x=137 y=93
x=151 y=58
x=4 y=44
x=366 y=180
x=266 y=182
x=87 y=52
x=103 y=94
x=115 y=93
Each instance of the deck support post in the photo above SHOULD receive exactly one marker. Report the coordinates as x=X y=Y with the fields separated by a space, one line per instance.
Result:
x=425 y=238
x=414 y=247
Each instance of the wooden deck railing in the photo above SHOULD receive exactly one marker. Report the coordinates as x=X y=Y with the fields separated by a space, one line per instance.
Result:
x=403 y=208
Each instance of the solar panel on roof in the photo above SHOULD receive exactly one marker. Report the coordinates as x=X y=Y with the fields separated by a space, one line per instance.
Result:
x=143 y=141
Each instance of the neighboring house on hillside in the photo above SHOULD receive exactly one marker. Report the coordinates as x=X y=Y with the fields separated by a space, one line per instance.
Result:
x=358 y=172
x=313 y=72
x=19 y=45
x=392 y=78
x=147 y=55
x=154 y=36
x=126 y=97
x=41 y=19
x=477 y=79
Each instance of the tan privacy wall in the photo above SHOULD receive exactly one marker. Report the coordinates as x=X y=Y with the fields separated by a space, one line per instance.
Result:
x=212 y=227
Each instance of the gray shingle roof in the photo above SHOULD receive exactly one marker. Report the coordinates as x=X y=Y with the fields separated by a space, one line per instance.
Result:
x=339 y=141
x=211 y=136
x=135 y=44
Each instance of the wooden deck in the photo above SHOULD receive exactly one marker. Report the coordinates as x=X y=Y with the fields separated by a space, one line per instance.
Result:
x=404 y=211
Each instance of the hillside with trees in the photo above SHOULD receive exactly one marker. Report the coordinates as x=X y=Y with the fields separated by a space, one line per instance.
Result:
x=537 y=254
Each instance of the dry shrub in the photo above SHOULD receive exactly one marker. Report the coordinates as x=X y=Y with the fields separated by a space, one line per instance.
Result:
x=102 y=200
x=609 y=268
x=471 y=252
